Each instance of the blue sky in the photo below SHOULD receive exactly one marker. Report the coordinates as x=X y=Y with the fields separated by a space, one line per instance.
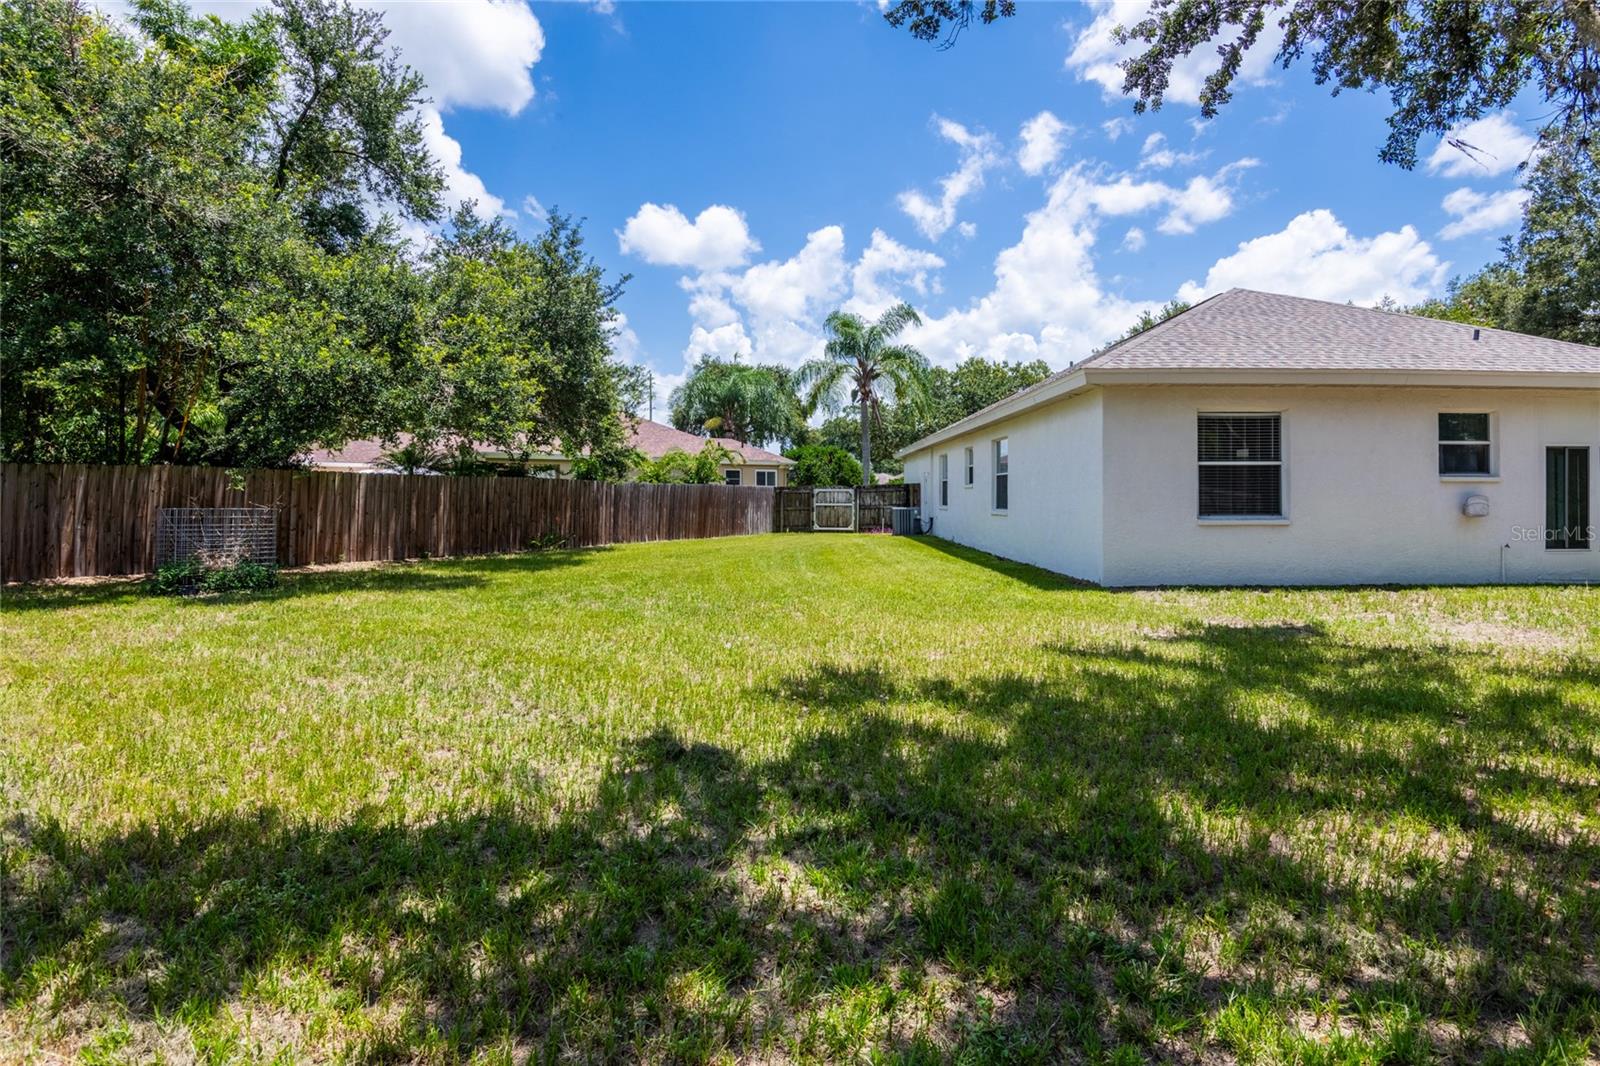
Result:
x=757 y=165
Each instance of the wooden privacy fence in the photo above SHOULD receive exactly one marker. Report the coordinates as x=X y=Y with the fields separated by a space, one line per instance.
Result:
x=78 y=521
x=872 y=507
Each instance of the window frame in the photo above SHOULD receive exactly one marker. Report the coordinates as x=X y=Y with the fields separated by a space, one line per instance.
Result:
x=1585 y=521
x=972 y=473
x=1281 y=516
x=944 y=481
x=996 y=446
x=1492 y=473
x=773 y=474
x=733 y=477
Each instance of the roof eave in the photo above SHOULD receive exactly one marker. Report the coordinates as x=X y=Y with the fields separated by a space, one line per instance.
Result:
x=1070 y=384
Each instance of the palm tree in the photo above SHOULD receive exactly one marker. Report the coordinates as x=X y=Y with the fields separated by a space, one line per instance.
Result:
x=751 y=404
x=878 y=371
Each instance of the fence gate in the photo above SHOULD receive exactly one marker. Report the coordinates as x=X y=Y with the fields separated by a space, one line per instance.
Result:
x=833 y=510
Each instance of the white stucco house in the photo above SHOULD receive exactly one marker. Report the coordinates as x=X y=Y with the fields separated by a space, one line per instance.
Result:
x=1265 y=439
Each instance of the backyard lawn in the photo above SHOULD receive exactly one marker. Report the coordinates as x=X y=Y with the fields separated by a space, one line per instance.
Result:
x=798 y=798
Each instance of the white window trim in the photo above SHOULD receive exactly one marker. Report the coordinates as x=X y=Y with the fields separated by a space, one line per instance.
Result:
x=994 y=477
x=944 y=481
x=737 y=473
x=971 y=467
x=1586 y=454
x=1279 y=519
x=1494 y=452
x=767 y=473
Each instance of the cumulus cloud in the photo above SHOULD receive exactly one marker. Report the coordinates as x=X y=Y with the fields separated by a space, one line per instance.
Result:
x=1116 y=127
x=1493 y=144
x=473 y=53
x=1096 y=56
x=1478 y=212
x=1201 y=200
x=1133 y=240
x=1316 y=256
x=1156 y=154
x=1043 y=138
x=1047 y=301
x=460 y=183
x=886 y=270
x=979 y=154
x=718 y=237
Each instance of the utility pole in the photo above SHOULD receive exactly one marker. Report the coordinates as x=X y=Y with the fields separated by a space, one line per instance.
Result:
x=652 y=395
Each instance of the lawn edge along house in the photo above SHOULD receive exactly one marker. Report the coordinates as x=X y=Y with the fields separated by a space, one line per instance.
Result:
x=1266 y=439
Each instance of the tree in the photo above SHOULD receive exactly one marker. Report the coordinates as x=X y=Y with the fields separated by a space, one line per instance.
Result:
x=823 y=466
x=953 y=394
x=751 y=404
x=1146 y=320
x=1547 y=280
x=929 y=20
x=678 y=467
x=1443 y=62
x=864 y=356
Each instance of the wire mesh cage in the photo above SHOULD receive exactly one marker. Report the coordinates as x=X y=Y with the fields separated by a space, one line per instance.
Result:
x=217 y=536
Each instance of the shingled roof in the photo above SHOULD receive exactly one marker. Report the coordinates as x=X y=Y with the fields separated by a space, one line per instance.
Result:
x=1243 y=336
x=1246 y=330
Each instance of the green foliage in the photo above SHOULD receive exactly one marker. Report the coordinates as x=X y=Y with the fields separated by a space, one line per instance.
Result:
x=953 y=394
x=931 y=20
x=188 y=577
x=678 y=467
x=1442 y=62
x=751 y=404
x=862 y=358
x=1146 y=320
x=192 y=274
x=1547 y=280
x=823 y=466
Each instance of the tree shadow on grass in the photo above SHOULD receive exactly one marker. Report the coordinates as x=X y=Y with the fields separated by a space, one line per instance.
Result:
x=1106 y=852
x=405 y=576
x=1032 y=576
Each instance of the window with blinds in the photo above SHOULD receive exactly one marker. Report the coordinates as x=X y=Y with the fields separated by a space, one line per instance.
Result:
x=944 y=479
x=1241 y=465
x=1002 y=474
x=1464 y=445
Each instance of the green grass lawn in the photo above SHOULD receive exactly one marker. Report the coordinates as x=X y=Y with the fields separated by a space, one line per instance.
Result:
x=798 y=798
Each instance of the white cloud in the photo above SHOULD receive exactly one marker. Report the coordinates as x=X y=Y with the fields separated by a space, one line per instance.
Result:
x=1116 y=127
x=787 y=289
x=1047 y=301
x=1096 y=56
x=716 y=239
x=1155 y=154
x=534 y=209
x=1316 y=256
x=1478 y=212
x=1202 y=200
x=1493 y=144
x=978 y=154
x=624 y=341
x=884 y=270
x=473 y=53
x=1133 y=240
x=460 y=184
x=1043 y=137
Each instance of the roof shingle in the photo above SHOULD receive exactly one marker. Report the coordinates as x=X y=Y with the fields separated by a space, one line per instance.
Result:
x=1242 y=329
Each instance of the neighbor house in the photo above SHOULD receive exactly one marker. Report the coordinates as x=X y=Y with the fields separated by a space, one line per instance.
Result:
x=1265 y=439
x=749 y=465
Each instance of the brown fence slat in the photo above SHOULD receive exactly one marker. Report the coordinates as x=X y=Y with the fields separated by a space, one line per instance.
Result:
x=65 y=520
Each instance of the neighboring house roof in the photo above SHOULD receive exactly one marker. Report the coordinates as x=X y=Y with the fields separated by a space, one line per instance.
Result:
x=651 y=438
x=1243 y=337
x=656 y=440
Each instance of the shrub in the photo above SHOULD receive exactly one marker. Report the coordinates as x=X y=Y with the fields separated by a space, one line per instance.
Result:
x=823 y=465
x=188 y=577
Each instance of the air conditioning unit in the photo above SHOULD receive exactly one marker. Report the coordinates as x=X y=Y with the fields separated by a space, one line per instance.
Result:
x=905 y=521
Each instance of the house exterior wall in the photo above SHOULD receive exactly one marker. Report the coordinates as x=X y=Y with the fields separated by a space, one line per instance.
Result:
x=1054 y=519
x=1363 y=496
